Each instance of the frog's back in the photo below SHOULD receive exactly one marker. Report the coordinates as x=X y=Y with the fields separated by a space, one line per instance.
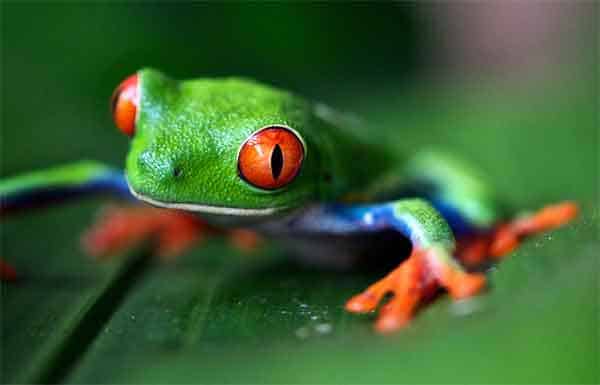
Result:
x=357 y=164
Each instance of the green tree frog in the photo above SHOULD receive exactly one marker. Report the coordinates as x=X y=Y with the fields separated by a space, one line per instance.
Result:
x=234 y=153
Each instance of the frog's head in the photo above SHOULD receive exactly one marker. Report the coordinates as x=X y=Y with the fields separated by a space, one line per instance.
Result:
x=219 y=146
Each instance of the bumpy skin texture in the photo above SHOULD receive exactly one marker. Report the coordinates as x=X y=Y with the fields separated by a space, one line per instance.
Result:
x=184 y=155
x=197 y=127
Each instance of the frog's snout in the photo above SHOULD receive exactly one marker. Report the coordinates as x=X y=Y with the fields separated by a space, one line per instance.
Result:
x=158 y=168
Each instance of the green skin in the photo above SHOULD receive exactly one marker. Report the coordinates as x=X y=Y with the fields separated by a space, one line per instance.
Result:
x=198 y=126
x=184 y=155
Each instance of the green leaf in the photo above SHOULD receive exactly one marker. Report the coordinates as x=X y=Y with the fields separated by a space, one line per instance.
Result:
x=219 y=316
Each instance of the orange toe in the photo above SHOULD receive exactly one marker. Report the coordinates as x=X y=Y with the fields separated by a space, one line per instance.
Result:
x=473 y=250
x=414 y=281
x=508 y=236
x=369 y=299
x=505 y=240
x=466 y=285
x=548 y=218
x=398 y=312
x=392 y=321
x=363 y=303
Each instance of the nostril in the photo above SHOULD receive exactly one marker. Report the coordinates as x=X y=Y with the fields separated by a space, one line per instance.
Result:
x=158 y=167
x=177 y=172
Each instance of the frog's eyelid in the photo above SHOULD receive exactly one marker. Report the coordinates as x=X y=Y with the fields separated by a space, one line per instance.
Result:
x=124 y=104
x=298 y=136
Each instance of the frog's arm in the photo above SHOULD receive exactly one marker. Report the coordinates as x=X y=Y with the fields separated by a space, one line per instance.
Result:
x=430 y=266
x=61 y=183
x=118 y=228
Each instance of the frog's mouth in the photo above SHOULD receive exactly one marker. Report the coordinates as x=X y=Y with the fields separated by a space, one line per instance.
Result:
x=207 y=209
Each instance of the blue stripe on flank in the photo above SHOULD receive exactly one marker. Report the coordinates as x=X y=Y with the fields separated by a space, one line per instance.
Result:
x=383 y=215
x=374 y=217
x=110 y=182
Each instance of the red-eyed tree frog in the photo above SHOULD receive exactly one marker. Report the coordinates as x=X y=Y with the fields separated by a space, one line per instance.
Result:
x=234 y=153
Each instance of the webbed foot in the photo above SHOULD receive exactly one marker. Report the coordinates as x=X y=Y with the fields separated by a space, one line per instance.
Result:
x=416 y=280
x=173 y=232
x=506 y=237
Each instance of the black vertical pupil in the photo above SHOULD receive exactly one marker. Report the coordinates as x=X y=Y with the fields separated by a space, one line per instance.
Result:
x=276 y=162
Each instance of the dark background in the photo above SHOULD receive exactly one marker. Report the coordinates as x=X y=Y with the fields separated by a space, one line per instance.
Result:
x=61 y=62
x=511 y=87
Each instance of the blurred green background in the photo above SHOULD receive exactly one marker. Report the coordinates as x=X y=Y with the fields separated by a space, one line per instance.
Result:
x=511 y=87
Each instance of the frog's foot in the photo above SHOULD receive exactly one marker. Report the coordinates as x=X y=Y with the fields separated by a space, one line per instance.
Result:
x=476 y=249
x=7 y=272
x=473 y=250
x=120 y=228
x=507 y=236
x=415 y=281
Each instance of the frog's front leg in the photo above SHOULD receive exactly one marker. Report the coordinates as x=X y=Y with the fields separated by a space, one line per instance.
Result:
x=118 y=228
x=430 y=265
x=57 y=184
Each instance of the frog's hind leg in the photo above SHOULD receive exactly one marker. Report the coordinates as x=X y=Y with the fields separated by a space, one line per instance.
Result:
x=472 y=210
x=507 y=236
x=474 y=249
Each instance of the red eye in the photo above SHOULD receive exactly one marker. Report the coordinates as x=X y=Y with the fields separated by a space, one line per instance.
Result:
x=271 y=158
x=124 y=104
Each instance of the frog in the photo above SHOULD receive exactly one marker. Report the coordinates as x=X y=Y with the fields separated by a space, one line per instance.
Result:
x=235 y=156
